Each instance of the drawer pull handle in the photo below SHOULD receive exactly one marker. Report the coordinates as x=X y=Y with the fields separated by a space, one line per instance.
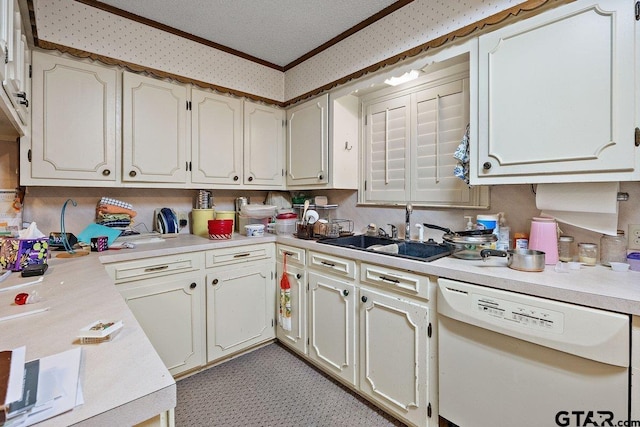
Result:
x=241 y=255
x=193 y=285
x=328 y=264
x=345 y=292
x=160 y=268
x=285 y=253
x=386 y=279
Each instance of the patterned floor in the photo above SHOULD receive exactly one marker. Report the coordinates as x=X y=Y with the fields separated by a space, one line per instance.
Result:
x=271 y=387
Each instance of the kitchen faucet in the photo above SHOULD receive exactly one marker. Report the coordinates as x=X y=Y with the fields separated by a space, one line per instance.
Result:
x=407 y=222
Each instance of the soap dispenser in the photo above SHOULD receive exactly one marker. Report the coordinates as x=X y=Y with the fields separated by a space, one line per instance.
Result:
x=470 y=225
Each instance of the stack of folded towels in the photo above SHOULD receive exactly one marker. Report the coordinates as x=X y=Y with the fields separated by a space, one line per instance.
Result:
x=114 y=213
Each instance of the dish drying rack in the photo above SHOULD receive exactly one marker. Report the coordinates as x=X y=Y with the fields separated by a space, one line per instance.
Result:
x=345 y=228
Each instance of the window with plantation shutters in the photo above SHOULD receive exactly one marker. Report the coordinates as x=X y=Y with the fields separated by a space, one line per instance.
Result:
x=410 y=136
x=440 y=120
x=386 y=150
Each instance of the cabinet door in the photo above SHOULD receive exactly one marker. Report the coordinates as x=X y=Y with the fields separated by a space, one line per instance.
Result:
x=74 y=111
x=154 y=130
x=393 y=354
x=263 y=145
x=308 y=142
x=6 y=33
x=332 y=325
x=216 y=138
x=240 y=308
x=553 y=105
x=388 y=135
x=171 y=313
x=295 y=338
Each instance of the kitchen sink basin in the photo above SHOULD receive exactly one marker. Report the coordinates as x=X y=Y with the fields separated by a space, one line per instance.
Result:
x=412 y=250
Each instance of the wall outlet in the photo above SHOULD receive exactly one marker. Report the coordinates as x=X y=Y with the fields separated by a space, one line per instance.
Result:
x=633 y=238
x=183 y=222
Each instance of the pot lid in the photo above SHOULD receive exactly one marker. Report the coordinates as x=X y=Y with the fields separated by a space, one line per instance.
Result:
x=479 y=239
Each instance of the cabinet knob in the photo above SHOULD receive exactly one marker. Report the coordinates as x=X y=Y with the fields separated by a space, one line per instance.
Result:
x=345 y=292
x=193 y=285
x=132 y=174
x=320 y=177
x=215 y=281
x=298 y=276
x=106 y=172
x=250 y=178
x=486 y=166
x=235 y=178
x=364 y=298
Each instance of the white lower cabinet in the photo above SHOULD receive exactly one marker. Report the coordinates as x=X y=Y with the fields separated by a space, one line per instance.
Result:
x=240 y=308
x=394 y=363
x=296 y=336
x=372 y=327
x=167 y=297
x=241 y=300
x=332 y=332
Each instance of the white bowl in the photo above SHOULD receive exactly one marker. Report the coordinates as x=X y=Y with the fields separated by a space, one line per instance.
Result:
x=254 y=230
x=619 y=266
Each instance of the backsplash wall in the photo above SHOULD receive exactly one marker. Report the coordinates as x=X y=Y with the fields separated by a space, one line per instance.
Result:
x=43 y=205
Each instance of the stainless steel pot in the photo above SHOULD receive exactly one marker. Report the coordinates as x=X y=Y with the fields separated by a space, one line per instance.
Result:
x=465 y=244
x=518 y=259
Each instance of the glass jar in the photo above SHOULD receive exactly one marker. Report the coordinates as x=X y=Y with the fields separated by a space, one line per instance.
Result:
x=565 y=248
x=588 y=253
x=613 y=248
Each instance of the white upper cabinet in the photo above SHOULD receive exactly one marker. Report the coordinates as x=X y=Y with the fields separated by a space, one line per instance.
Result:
x=216 y=139
x=322 y=143
x=6 y=33
x=556 y=97
x=155 y=130
x=74 y=134
x=308 y=142
x=263 y=146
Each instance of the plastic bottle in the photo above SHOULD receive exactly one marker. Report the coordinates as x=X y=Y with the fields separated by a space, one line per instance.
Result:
x=503 y=243
x=470 y=225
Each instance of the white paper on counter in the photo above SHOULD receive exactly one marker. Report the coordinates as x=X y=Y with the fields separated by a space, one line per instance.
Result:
x=589 y=205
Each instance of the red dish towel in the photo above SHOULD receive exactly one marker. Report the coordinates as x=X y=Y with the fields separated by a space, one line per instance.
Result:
x=284 y=316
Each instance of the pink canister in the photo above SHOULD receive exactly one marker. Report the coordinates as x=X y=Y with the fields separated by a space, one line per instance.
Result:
x=544 y=237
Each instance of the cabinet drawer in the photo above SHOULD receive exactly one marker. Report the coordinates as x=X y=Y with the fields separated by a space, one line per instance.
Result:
x=225 y=256
x=338 y=266
x=153 y=267
x=294 y=255
x=392 y=279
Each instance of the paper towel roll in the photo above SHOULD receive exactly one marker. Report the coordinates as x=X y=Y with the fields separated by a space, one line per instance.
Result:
x=589 y=205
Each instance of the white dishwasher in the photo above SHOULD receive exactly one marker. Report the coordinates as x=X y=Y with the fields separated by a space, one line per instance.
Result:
x=507 y=359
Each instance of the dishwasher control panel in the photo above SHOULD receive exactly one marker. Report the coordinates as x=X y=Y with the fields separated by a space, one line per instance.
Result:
x=517 y=313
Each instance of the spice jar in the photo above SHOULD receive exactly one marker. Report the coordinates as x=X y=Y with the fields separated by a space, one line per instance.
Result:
x=588 y=253
x=565 y=248
x=613 y=248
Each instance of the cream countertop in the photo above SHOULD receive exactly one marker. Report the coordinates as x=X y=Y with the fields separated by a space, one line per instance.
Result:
x=597 y=287
x=125 y=382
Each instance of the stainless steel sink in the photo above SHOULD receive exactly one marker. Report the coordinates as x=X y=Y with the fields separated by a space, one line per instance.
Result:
x=412 y=250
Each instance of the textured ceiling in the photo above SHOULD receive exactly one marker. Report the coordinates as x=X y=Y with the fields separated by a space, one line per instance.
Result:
x=276 y=31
